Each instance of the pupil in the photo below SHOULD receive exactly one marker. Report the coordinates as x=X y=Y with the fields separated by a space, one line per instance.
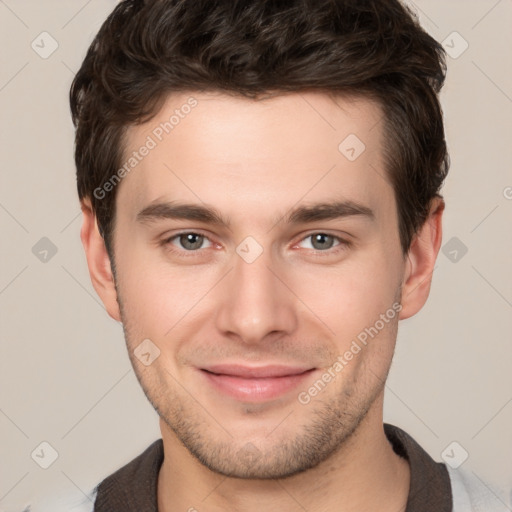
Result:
x=191 y=241
x=320 y=239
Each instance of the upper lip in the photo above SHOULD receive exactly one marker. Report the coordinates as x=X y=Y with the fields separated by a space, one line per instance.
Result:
x=256 y=372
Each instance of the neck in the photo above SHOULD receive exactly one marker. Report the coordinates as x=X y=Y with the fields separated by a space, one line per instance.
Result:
x=364 y=474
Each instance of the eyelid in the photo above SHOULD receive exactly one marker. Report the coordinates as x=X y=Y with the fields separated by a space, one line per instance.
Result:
x=342 y=241
x=169 y=238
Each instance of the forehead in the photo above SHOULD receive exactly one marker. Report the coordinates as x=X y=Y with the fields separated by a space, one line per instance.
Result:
x=238 y=153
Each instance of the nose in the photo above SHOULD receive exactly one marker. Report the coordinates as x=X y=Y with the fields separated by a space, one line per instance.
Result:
x=254 y=304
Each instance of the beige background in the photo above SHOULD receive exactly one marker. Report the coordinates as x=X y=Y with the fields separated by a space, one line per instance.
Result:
x=65 y=375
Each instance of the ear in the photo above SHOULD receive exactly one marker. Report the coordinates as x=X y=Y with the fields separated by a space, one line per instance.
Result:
x=421 y=259
x=98 y=261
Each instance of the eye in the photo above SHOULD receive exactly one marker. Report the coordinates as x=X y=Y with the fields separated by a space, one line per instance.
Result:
x=188 y=241
x=322 y=241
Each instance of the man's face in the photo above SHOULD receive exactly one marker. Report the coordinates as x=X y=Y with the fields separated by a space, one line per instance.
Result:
x=269 y=288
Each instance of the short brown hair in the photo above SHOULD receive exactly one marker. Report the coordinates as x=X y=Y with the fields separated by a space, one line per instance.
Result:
x=148 y=49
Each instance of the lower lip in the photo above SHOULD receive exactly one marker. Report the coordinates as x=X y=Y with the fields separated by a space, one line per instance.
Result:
x=255 y=390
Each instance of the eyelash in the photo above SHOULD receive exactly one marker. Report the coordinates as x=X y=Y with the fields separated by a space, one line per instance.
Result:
x=342 y=244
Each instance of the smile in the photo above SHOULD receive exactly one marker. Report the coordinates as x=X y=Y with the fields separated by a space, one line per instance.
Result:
x=255 y=384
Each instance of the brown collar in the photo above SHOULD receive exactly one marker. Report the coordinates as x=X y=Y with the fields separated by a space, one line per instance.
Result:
x=133 y=488
x=430 y=488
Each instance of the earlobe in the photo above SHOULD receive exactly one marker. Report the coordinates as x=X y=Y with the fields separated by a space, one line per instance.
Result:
x=421 y=260
x=98 y=261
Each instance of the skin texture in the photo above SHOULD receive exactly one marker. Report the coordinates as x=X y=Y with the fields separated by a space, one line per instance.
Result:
x=298 y=303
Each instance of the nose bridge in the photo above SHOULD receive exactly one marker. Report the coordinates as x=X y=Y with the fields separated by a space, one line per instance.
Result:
x=253 y=301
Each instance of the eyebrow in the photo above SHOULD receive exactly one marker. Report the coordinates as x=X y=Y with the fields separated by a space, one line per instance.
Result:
x=175 y=210
x=328 y=211
x=208 y=215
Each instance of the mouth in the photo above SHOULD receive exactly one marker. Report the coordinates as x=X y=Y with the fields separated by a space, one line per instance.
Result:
x=255 y=384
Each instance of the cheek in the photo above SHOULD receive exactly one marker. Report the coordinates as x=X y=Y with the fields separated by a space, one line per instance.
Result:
x=352 y=296
x=156 y=296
